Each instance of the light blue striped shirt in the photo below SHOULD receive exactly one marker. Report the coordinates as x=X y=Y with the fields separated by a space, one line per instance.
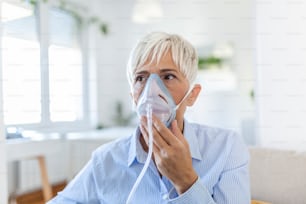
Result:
x=219 y=157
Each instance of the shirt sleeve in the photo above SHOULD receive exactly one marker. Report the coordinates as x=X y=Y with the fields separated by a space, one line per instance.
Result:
x=233 y=185
x=80 y=190
x=196 y=194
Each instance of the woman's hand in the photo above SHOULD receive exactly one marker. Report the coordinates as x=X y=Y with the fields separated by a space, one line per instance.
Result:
x=171 y=153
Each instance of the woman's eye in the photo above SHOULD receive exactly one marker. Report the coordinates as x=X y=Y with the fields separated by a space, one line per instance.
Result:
x=139 y=78
x=169 y=77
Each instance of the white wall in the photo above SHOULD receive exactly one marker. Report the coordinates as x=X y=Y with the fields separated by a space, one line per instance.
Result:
x=3 y=168
x=3 y=171
x=281 y=73
x=201 y=22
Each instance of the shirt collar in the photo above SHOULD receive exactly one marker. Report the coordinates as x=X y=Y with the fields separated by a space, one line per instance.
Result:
x=192 y=139
x=136 y=152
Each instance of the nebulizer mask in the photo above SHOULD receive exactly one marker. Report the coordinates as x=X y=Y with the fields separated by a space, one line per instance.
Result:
x=156 y=100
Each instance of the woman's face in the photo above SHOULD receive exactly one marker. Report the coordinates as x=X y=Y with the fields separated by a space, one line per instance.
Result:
x=174 y=80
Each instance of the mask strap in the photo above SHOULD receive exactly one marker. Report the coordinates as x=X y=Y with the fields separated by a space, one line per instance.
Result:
x=186 y=95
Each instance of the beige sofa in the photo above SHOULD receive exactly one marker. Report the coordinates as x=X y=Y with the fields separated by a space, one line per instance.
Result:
x=278 y=176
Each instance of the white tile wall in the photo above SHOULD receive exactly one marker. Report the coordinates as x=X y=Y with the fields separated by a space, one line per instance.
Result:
x=281 y=82
x=3 y=174
x=3 y=164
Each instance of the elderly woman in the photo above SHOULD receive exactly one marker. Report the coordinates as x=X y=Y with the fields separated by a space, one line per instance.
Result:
x=191 y=163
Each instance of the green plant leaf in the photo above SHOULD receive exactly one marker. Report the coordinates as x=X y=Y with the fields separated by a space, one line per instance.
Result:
x=104 y=28
x=206 y=62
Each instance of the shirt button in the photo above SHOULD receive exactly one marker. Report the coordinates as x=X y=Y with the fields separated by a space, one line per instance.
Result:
x=165 y=196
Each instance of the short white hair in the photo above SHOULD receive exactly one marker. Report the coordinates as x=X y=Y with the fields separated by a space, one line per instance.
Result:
x=155 y=45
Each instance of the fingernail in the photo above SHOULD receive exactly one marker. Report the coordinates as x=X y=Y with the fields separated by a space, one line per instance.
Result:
x=175 y=122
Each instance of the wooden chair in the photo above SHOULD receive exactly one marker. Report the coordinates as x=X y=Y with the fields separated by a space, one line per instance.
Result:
x=46 y=186
x=259 y=202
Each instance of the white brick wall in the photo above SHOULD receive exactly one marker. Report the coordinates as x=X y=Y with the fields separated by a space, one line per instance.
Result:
x=3 y=167
x=3 y=173
x=281 y=73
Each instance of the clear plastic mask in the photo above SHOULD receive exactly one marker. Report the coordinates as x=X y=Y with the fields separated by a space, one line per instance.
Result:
x=157 y=95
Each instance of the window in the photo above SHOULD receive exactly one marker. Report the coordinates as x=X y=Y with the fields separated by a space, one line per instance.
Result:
x=35 y=93
x=65 y=83
x=65 y=68
x=21 y=81
x=21 y=65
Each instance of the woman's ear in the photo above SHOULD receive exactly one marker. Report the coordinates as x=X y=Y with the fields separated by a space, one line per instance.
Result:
x=194 y=94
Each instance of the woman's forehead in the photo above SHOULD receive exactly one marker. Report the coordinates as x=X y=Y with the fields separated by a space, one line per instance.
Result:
x=165 y=62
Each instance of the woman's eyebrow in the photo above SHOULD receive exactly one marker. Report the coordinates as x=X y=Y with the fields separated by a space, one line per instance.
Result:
x=163 y=70
x=168 y=70
x=141 y=72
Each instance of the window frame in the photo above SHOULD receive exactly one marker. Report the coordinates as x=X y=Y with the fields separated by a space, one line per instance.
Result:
x=46 y=125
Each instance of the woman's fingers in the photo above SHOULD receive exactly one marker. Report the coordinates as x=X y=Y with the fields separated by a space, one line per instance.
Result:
x=164 y=132
x=157 y=139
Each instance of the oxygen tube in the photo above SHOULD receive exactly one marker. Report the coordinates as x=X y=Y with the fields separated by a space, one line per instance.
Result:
x=146 y=165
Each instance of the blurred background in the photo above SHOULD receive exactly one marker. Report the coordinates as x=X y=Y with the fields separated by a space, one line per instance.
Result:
x=64 y=90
